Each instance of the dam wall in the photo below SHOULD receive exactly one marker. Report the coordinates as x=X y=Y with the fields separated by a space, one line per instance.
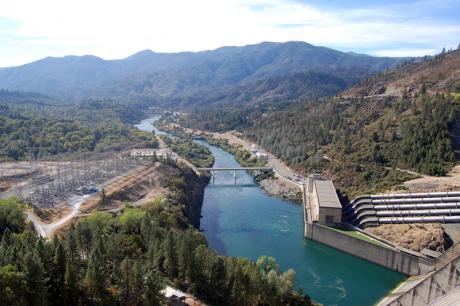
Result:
x=387 y=256
x=429 y=288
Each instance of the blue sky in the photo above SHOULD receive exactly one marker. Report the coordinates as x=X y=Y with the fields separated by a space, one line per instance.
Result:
x=30 y=29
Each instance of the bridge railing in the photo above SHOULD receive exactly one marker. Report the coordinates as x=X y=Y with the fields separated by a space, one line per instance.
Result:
x=236 y=169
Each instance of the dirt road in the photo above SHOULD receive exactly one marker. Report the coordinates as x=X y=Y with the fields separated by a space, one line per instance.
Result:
x=435 y=183
x=46 y=230
x=272 y=161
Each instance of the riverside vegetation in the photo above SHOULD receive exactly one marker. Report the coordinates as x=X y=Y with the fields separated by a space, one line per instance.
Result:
x=198 y=155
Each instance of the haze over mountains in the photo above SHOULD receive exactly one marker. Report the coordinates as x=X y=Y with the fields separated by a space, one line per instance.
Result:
x=273 y=70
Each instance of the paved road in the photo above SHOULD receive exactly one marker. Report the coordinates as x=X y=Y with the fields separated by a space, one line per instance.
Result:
x=273 y=162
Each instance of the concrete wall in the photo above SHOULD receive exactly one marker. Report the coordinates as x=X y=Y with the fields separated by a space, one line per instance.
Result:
x=431 y=288
x=336 y=213
x=388 y=257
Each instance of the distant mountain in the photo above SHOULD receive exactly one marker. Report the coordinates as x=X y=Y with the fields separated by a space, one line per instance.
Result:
x=186 y=74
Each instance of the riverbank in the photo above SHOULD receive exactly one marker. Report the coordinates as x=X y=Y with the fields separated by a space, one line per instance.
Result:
x=244 y=221
x=232 y=189
x=277 y=188
x=241 y=149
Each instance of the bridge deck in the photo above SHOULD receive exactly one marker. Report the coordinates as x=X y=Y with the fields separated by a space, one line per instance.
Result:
x=236 y=169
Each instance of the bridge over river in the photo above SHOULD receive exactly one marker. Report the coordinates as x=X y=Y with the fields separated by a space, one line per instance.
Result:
x=234 y=169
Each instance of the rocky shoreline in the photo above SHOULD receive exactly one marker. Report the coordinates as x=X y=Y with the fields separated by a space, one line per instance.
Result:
x=271 y=185
x=277 y=188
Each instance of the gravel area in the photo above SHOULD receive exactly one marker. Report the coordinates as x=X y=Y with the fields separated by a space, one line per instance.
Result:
x=280 y=189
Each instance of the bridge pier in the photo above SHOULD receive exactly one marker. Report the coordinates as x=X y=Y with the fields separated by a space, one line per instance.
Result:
x=214 y=170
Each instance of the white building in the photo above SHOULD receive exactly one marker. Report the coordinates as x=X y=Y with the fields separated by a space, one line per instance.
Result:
x=141 y=153
x=260 y=155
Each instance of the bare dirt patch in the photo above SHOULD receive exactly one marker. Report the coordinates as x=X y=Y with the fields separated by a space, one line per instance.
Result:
x=426 y=183
x=415 y=237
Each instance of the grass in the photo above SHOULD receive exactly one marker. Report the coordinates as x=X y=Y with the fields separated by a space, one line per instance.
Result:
x=455 y=95
x=357 y=234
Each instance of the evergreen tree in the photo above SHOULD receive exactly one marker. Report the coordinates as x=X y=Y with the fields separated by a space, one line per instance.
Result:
x=57 y=288
x=94 y=278
x=36 y=291
x=154 y=284
x=185 y=255
x=170 y=262
x=71 y=284
x=137 y=284
x=104 y=199
x=218 y=281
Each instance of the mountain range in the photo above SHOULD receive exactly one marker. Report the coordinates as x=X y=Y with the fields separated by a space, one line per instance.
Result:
x=271 y=70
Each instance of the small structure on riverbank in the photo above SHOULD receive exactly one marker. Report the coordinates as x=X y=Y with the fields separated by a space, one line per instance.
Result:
x=146 y=153
x=260 y=155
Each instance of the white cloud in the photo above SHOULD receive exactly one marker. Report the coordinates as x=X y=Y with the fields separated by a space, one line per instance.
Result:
x=115 y=29
x=405 y=52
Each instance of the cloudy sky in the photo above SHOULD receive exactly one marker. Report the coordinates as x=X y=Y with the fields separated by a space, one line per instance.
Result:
x=33 y=29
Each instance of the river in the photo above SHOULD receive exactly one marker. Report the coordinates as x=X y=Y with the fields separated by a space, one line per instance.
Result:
x=242 y=220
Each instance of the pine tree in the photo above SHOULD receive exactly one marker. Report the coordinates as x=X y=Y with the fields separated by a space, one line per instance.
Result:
x=185 y=254
x=94 y=278
x=170 y=262
x=71 y=284
x=137 y=284
x=218 y=281
x=154 y=284
x=423 y=89
x=125 y=283
x=56 y=291
x=104 y=199
x=36 y=291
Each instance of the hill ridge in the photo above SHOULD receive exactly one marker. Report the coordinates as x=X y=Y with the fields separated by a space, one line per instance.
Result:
x=184 y=73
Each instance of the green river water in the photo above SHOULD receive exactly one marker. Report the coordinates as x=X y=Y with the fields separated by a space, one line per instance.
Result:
x=242 y=220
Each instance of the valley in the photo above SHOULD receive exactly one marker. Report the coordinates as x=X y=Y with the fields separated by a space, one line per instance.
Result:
x=110 y=204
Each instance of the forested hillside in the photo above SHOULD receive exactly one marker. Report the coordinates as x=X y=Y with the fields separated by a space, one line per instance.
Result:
x=359 y=141
x=32 y=131
x=127 y=259
x=439 y=73
x=18 y=97
x=272 y=70
x=281 y=89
